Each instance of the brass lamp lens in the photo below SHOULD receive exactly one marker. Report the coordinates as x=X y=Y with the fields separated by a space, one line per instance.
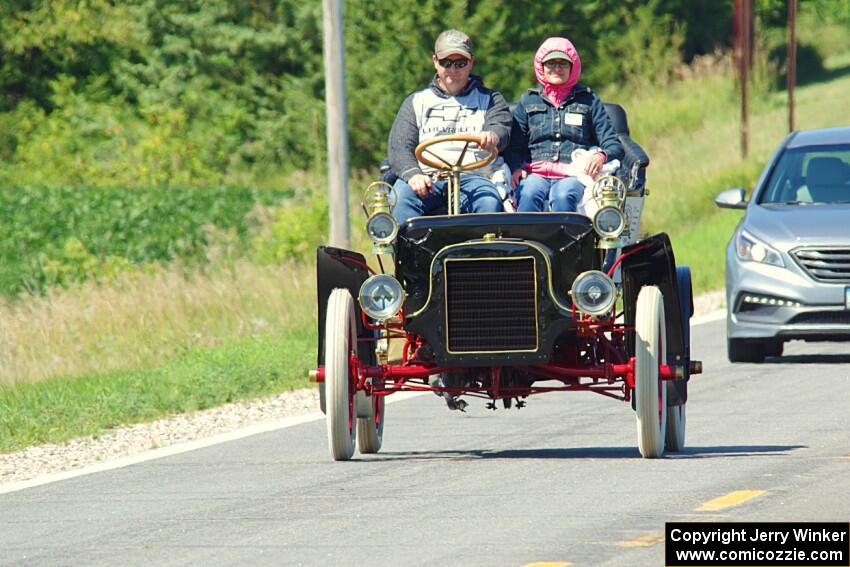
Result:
x=382 y=228
x=609 y=222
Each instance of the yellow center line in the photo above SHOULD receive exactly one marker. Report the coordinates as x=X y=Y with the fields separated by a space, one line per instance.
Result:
x=732 y=499
x=646 y=540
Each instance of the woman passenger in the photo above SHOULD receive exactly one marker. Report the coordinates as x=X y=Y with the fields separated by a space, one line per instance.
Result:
x=550 y=123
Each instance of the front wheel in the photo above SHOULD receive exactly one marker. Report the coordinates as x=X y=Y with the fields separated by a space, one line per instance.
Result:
x=650 y=391
x=774 y=348
x=340 y=346
x=745 y=350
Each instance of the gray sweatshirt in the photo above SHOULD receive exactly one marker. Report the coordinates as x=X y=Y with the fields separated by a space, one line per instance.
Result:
x=432 y=112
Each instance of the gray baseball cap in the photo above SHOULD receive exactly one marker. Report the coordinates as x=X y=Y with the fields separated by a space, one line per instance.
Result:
x=453 y=42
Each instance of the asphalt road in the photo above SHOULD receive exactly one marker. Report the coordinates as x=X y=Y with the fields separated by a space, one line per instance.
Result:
x=560 y=480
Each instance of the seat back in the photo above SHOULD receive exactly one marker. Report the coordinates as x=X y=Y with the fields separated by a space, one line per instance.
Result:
x=618 y=117
x=635 y=156
x=826 y=178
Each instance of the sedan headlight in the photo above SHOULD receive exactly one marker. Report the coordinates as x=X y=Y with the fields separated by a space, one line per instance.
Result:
x=381 y=296
x=594 y=293
x=750 y=249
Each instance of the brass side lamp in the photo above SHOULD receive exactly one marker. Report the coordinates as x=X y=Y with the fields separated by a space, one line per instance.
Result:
x=378 y=203
x=610 y=221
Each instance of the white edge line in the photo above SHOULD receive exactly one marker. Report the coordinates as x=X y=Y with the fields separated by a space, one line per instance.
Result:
x=229 y=436
x=179 y=448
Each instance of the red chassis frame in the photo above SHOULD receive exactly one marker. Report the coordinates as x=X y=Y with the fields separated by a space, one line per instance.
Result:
x=612 y=379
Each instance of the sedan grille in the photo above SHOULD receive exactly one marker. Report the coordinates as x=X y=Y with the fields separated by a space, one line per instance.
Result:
x=491 y=305
x=825 y=264
x=822 y=318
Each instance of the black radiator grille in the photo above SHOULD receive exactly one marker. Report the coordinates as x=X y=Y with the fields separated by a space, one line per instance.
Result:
x=825 y=264
x=492 y=305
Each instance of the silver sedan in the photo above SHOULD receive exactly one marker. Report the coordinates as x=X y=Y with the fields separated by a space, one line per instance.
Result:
x=788 y=262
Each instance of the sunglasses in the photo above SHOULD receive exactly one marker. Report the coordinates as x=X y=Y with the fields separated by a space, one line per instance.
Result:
x=456 y=63
x=557 y=64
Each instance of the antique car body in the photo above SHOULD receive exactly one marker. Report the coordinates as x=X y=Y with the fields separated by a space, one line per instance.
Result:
x=503 y=306
x=788 y=261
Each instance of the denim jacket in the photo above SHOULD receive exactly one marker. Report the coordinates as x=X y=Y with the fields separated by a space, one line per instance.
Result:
x=542 y=132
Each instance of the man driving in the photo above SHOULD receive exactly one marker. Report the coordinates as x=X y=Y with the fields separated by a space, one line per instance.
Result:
x=455 y=102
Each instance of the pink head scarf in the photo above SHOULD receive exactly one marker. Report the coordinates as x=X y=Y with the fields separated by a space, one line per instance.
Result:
x=557 y=93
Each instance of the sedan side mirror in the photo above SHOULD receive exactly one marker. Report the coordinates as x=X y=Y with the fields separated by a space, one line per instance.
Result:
x=731 y=199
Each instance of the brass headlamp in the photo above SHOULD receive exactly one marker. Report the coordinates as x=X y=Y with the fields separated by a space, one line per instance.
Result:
x=378 y=203
x=610 y=221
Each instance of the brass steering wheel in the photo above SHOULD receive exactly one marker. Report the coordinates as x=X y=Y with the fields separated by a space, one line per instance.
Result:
x=443 y=165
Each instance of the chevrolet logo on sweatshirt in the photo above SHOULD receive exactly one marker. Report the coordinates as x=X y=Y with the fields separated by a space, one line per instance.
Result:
x=449 y=113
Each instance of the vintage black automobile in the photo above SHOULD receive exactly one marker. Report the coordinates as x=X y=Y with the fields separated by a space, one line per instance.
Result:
x=502 y=306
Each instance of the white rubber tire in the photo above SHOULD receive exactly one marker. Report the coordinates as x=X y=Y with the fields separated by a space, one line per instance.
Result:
x=340 y=342
x=675 y=440
x=370 y=430
x=650 y=352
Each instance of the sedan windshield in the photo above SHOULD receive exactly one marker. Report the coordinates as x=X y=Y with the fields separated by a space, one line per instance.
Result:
x=810 y=175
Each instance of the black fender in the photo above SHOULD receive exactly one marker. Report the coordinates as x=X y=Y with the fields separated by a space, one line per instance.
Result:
x=339 y=268
x=651 y=262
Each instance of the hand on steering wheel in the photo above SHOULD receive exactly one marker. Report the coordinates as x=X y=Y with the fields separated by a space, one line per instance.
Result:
x=488 y=140
x=482 y=141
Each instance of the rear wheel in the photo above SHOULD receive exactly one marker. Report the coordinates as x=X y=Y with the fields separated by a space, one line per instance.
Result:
x=675 y=438
x=744 y=350
x=370 y=430
x=340 y=346
x=650 y=391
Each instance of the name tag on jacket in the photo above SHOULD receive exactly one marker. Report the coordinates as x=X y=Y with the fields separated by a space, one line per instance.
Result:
x=572 y=119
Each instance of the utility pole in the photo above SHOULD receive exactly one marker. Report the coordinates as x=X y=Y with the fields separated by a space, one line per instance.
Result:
x=792 y=60
x=337 y=128
x=743 y=21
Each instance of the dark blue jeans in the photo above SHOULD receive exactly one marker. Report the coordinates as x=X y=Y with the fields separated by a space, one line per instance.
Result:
x=477 y=195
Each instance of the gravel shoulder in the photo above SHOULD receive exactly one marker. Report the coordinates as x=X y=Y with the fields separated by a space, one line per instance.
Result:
x=134 y=439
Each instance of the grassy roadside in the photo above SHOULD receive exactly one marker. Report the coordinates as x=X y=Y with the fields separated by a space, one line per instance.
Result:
x=703 y=248
x=701 y=230
x=61 y=409
x=691 y=165
x=694 y=160
x=147 y=319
